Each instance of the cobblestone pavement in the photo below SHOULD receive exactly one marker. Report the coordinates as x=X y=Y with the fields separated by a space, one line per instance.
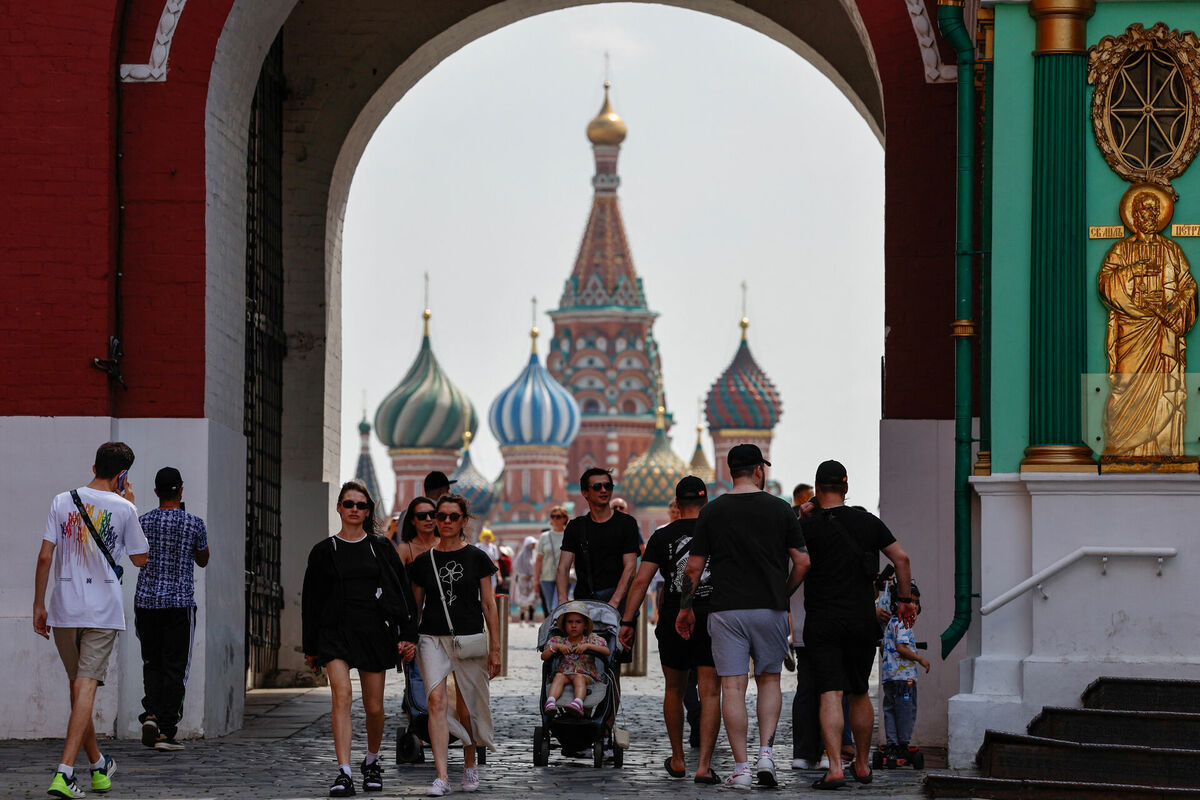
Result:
x=286 y=751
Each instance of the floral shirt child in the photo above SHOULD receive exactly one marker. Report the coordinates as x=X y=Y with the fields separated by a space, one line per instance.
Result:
x=578 y=663
x=895 y=666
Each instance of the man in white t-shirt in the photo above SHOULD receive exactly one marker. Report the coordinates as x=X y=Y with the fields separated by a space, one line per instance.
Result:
x=86 y=609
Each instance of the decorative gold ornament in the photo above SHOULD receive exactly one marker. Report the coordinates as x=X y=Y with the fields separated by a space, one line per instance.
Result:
x=1061 y=25
x=1146 y=102
x=1148 y=288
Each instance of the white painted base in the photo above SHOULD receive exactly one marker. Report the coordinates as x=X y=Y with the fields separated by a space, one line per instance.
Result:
x=1125 y=621
x=58 y=454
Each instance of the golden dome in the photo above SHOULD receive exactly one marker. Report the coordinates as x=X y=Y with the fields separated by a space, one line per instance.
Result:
x=608 y=127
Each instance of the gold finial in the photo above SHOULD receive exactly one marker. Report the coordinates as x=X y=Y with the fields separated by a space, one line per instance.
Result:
x=426 y=314
x=533 y=330
x=660 y=413
x=745 y=321
x=466 y=441
x=607 y=128
x=699 y=420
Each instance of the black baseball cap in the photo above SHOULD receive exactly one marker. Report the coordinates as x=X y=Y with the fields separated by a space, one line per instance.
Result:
x=690 y=488
x=437 y=480
x=831 y=472
x=745 y=455
x=168 y=478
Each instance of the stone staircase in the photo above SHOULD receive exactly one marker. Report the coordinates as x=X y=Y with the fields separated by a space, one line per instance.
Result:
x=1134 y=739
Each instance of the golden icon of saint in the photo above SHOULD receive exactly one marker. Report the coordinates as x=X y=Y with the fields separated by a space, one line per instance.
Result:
x=1151 y=298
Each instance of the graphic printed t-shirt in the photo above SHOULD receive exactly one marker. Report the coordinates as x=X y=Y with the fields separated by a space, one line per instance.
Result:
x=838 y=585
x=86 y=592
x=669 y=548
x=166 y=580
x=460 y=572
x=896 y=667
x=747 y=538
x=599 y=549
x=549 y=547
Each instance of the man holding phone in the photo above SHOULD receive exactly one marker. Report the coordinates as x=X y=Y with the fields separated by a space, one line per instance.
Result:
x=88 y=531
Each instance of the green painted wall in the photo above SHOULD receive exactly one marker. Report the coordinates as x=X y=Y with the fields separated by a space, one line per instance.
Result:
x=1013 y=160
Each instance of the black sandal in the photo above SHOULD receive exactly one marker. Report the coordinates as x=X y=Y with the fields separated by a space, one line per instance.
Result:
x=674 y=773
x=823 y=783
x=854 y=774
x=712 y=778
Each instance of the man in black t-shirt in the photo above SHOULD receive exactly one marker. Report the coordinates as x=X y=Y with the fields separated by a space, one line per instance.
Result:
x=667 y=552
x=601 y=544
x=840 y=628
x=755 y=552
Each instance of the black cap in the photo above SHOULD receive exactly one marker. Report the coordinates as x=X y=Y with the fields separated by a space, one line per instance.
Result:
x=831 y=472
x=745 y=455
x=690 y=488
x=437 y=480
x=168 y=478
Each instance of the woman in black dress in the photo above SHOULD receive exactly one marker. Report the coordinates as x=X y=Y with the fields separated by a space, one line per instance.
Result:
x=357 y=611
x=452 y=583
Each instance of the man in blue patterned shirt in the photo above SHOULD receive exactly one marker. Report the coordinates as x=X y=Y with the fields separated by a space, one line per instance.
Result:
x=165 y=609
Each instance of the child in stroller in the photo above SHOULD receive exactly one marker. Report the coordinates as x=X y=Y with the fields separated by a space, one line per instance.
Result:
x=591 y=709
x=576 y=663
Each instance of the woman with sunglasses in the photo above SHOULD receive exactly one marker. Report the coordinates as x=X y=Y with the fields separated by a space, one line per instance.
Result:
x=418 y=532
x=353 y=587
x=549 y=548
x=452 y=583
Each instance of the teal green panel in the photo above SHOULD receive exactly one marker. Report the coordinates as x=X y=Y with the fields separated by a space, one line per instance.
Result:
x=1012 y=189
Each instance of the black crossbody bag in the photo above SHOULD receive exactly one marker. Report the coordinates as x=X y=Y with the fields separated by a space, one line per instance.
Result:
x=87 y=520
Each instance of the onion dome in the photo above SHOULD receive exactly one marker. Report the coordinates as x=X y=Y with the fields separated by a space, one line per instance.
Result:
x=700 y=466
x=365 y=470
x=425 y=409
x=650 y=479
x=607 y=127
x=743 y=397
x=535 y=409
x=479 y=491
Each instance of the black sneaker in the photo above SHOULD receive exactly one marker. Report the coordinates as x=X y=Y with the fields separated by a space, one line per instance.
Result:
x=372 y=776
x=167 y=743
x=149 y=731
x=343 y=786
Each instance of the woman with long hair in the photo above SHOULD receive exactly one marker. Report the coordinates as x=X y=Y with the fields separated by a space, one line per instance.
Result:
x=358 y=612
x=418 y=532
x=452 y=583
x=524 y=584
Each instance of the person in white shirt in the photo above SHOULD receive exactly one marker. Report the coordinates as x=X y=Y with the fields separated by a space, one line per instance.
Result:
x=85 y=610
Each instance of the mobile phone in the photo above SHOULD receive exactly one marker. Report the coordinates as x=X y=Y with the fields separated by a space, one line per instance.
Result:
x=121 y=480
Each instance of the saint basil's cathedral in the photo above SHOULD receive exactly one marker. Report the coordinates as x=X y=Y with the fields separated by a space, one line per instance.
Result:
x=596 y=401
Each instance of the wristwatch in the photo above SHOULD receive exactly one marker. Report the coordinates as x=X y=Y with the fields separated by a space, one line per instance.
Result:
x=625 y=623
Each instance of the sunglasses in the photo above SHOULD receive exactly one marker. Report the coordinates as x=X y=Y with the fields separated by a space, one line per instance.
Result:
x=601 y=487
x=558 y=516
x=424 y=516
x=359 y=505
x=453 y=516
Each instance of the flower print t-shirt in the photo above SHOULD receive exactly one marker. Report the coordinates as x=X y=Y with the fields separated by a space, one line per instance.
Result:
x=86 y=592
x=459 y=573
x=895 y=666
x=579 y=663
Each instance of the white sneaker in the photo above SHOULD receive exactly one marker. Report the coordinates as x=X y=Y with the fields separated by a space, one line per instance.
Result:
x=824 y=764
x=766 y=770
x=470 y=781
x=803 y=763
x=438 y=788
x=740 y=780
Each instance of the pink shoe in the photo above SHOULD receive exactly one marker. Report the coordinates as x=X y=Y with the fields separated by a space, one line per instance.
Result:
x=575 y=707
x=551 y=706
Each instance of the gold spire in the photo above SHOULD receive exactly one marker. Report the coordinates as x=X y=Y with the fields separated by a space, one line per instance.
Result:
x=533 y=331
x=607 y=128
x=660 y=413
x=699 y=420
x=426 y=314
x=466 y=441
x=745 y=321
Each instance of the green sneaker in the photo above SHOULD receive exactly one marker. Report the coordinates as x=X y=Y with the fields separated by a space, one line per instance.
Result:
x=102 y=778
x=64 y=787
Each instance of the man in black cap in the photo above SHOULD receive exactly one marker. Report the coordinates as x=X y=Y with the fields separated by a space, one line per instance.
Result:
x=437 y=485
x=667 y=552
x=165 y=610
x=754 y=549
x=840 y=627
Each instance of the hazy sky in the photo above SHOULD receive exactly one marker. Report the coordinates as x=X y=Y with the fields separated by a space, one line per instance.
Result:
x=742 y=162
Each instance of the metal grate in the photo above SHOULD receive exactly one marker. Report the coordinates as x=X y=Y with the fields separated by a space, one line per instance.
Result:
x=266 y=346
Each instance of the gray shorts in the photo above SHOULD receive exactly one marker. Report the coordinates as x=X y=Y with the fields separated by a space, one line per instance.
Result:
x=742 y=634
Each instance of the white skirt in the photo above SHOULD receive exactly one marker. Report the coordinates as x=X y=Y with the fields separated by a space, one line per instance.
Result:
x=435 y=656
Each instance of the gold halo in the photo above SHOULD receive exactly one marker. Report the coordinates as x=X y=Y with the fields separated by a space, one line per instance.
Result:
x=1166 y=205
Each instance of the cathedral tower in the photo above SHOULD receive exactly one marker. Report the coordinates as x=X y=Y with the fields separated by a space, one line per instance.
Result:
x=602 y=347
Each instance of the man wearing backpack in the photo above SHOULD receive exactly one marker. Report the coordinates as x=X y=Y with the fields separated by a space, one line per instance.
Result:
x=88 y=531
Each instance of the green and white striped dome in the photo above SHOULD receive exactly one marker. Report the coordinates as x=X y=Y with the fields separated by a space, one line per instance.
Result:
x=425 y=409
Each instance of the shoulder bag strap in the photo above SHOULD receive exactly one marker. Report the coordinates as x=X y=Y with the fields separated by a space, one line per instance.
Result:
x=87 y=520
x=438 y=578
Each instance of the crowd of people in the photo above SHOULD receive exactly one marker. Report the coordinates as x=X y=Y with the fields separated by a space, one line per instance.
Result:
x=744 y=584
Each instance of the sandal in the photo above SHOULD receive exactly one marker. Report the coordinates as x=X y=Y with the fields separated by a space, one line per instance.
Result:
x=712 y=778
x=824 y=783
x=575 y=707
x=674 y=773
x=854 y=774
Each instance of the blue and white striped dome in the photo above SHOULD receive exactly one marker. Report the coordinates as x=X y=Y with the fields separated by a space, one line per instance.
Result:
x=535 y=409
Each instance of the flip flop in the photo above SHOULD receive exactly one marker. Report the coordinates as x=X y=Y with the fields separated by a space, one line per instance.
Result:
x=822 y=783
x=711 y=778
x=674 y=773
x=870 y=775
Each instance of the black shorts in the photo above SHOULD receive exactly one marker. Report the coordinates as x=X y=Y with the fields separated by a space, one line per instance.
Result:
x=675 y=652
x=842 y=653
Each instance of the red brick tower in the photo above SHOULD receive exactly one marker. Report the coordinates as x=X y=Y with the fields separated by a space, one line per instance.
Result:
x=603 y=349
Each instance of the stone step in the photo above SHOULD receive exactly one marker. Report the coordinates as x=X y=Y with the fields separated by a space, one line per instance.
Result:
x=1104 y=726
x=1016 y=789
x=1143 y=694
x=1010 y=755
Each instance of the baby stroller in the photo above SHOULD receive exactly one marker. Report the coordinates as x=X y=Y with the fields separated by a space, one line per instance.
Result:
x=409 y=739
x=594 y=729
